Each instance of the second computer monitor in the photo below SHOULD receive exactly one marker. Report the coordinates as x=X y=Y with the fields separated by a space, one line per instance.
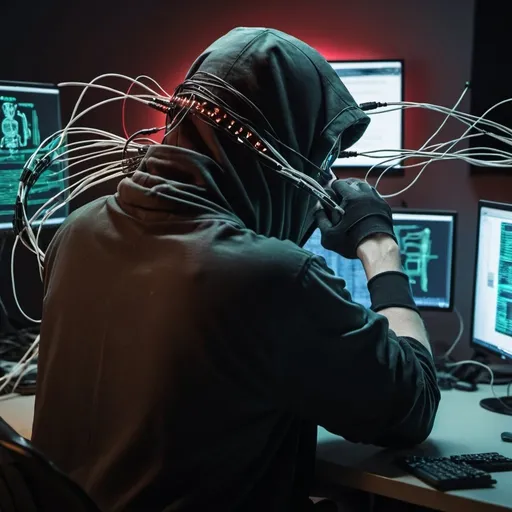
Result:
x=29 y=113
x=426 y=240
x=370 y=81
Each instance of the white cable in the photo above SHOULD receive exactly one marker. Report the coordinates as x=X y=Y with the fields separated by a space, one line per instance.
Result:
x=110 y=146
x=80 y=186
x=21 y=366
x=15 y=294
x=20 y=363
x=29 y=231
x=491 y=373
x=91 y=183
x=113 y=144
x=152 y=80
x=25 y=368
x=458 y=115
x=457 y=339
x=442 y=157
x=63 y=133
x=75 y=189
x=80 y=160
x=425 y=144
x=462 y=115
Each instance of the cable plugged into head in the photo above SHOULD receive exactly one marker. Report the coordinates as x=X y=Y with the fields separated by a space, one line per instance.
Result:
x=205 y=105
x=112 y=149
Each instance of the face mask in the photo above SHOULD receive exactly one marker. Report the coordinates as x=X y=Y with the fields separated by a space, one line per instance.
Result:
x=325 y=179
x=331 y=157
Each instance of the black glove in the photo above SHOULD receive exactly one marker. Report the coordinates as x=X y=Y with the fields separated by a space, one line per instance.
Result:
x=366 y=214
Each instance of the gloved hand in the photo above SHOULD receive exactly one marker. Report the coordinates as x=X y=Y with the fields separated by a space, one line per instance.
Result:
x=366 y=214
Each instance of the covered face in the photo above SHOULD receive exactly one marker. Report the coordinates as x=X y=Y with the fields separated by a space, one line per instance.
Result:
x=303 y=111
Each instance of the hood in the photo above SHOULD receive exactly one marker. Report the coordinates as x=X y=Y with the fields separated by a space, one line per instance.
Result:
x=303 y=104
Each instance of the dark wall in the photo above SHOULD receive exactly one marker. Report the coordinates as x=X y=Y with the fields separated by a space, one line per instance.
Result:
x=53 y=42
x=490 y=82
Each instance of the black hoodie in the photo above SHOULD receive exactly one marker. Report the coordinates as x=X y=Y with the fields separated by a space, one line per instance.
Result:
x=189 y=346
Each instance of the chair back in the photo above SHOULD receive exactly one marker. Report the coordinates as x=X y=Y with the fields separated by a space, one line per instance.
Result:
x=29 y=482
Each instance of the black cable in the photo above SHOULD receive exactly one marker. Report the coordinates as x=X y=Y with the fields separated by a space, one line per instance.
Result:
x=8 y=326
x=372 y=105
x=130 y=162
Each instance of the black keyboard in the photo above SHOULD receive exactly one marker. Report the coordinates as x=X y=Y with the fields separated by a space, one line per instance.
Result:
x=445 y=474
x=491 y=462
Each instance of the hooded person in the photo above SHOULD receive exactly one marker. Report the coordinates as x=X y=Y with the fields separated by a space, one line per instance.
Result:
x=189 y=345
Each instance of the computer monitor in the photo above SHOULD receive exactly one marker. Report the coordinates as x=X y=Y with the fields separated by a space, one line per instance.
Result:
x=492 y=298
x=426 y=240
x=29 y=113
x=375 y=80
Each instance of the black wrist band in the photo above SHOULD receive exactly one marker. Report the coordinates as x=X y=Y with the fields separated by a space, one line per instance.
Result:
x=391 y=290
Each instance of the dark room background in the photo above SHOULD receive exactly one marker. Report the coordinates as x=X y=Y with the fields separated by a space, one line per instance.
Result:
x=73 y=41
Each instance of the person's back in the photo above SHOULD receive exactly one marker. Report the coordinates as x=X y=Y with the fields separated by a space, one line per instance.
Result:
x=165 y=394
x=189 y=346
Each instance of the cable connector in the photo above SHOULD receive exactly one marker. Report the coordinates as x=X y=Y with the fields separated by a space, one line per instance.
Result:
x=17 y=220
x=149 y=131
x=25 y=173
x=348 y=154
x=30 y=176
x=161 y=108
x=372 y=105
x=161 y=102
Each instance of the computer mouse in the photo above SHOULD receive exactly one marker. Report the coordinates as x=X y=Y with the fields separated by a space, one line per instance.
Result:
x=507 y=437
x=463 y=385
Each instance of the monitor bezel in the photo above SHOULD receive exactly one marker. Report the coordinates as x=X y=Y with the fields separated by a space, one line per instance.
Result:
x=483 y=203
x=38 y=85
x=398 y=171
x=440 y=213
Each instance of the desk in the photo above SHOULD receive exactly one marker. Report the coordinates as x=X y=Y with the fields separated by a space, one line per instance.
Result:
x=18 y=411
x=461 y=426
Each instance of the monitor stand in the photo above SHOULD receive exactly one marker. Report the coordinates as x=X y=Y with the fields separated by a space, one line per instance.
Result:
x=502 y=405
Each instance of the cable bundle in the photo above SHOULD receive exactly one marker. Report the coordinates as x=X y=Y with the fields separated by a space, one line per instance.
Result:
x=110 y=156
x=476 y=126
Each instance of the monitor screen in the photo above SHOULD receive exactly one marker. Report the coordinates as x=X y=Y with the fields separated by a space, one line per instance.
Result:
x=492 y=307
x=29 y=113
x=426 y=241
x=380 y=81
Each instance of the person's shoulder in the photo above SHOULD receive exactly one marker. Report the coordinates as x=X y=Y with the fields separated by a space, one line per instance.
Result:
x=79 y=223
x=85 y=215
x=251 y=276
x=259 y=257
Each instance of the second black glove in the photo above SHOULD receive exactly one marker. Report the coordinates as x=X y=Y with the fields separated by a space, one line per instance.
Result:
x=366 y=214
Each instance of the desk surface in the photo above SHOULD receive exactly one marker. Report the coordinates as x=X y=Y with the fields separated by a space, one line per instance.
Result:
x=462 y=426
x=18 y=411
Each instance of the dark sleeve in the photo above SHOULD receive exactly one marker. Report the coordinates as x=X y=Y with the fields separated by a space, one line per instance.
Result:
x=347 y=371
